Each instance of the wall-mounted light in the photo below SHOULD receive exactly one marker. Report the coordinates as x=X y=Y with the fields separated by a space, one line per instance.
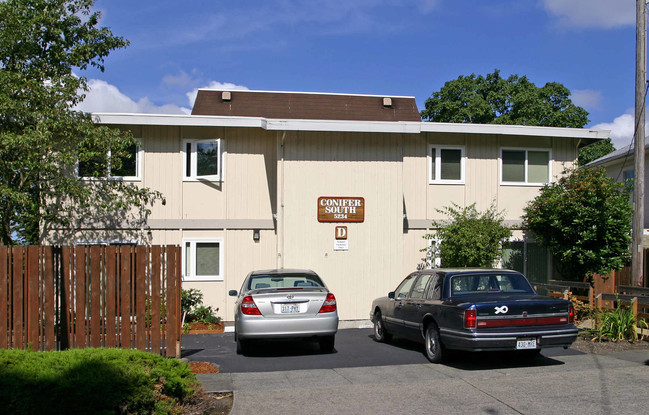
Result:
x=255 y=235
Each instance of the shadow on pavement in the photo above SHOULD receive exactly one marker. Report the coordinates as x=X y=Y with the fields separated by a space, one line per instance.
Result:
x=489 y=360
x=284 y=348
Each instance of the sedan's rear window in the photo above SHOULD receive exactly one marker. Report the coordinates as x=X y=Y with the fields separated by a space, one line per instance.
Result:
x=257 y=282
x=489 y=283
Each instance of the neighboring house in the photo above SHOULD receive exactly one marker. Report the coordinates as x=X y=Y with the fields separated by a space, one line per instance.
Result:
x=346 y=185
x=620 y=165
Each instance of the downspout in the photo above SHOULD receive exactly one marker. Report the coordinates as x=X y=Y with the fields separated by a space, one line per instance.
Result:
x=280 y=210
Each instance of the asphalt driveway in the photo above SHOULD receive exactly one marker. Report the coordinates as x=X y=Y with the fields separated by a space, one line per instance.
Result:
x=354 y=348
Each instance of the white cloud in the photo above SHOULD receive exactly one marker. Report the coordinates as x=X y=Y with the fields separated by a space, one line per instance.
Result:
x=586 y=98
x=622 y=129
x=104 y=97
x=191 y=95
x=592 y=13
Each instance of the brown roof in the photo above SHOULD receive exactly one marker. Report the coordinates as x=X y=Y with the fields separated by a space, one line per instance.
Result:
x=306 y=106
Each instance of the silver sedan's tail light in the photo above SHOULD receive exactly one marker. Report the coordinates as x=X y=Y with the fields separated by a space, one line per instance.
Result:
x=249 y=307
x=329 y=304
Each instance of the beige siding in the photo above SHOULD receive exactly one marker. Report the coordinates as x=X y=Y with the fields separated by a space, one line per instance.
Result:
x=355 y=165
x=268 y=173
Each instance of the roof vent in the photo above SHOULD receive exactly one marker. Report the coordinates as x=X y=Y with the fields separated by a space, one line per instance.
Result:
x=387 y=102
x=226 y=96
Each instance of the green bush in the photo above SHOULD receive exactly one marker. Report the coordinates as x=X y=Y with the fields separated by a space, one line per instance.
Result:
x=192 y=306
x=98 y=381
x=618 y=324
x=190 y=299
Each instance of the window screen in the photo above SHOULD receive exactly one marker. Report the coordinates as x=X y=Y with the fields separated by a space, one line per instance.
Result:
x=451 y=164
x=513 y=166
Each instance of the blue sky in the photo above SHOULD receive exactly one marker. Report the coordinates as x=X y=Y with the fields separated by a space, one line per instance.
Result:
x=406 y=47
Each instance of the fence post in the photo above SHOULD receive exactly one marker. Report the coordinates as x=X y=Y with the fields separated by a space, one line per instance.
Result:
x=634 y=306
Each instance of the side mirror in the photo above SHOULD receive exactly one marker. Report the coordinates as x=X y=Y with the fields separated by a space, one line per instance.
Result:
x=232 y=293
x=391 y=295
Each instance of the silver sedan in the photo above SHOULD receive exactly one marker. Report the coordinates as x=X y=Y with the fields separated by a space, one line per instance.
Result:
x=282 y=303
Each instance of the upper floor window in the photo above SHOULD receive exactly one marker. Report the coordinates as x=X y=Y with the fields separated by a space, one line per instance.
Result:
x=202 y=160
x=446 y=164
x=525 y=166
x=112 y=166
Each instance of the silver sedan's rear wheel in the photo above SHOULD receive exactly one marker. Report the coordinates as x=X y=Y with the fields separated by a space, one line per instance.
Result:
x=434 y=348
x=327 y=343
x=243 y=346
x=380 y=334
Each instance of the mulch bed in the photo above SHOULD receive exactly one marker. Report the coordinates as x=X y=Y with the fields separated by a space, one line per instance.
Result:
x=203 y=367
x=198 y=327
x=586 y=345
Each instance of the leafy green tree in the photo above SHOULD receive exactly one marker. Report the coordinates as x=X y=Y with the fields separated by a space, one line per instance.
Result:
x=584 y=220
x=470 y=238
x=594 y=151
x=496 y=100
x=42 y=138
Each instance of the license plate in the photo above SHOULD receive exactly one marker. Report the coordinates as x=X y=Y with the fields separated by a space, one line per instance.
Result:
x=290 y=308
x=526 y=344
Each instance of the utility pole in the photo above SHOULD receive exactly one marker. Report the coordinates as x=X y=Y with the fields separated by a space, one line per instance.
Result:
x=637 y=251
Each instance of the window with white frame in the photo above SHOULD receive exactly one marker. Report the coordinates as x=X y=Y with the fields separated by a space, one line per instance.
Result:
x=525 y=166
x=112 y=166
x=203 y=259
x=446 y=164
x=202 y=160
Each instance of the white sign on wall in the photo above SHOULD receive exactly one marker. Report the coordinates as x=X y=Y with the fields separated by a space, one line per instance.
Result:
x=341 y=245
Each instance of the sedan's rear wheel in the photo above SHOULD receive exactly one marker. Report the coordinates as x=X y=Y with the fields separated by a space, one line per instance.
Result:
x=243 y=346
x=380 y=334
x=434 y=348
x=327 y=343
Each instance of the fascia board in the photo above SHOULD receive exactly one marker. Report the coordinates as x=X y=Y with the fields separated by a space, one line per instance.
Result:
x=177 y=120
x=521 y=130
x=267 y=124
x=408 y=127
x=344 y=126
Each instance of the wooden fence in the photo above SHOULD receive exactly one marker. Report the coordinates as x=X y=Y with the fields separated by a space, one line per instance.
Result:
x=606 y=290
x=55 y=298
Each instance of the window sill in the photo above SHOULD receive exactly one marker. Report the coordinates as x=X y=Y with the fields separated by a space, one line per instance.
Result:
x=202 y=279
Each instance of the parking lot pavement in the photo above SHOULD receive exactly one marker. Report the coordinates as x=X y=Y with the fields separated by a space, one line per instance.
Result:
x=365 y=377
x=574 y=383
x=354 y=347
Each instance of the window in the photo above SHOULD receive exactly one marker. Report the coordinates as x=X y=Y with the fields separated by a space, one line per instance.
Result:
x=203 y=259
x=529 y=258
x=530 y=167
x=446 y=164
x=202 y=160
x=111 y=166
x=420 y=287
x=435 y=290
x=403 y=289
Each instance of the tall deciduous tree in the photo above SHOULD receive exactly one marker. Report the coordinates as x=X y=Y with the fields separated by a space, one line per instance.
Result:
x=41 y=137
x=584 y=220
x=470 y=238
x=594 y=151
x=492 y=99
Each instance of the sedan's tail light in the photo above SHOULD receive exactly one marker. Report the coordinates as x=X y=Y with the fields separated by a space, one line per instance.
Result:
x=249 y=307
x=571 y=314
x=329 y=304
x=470 y=318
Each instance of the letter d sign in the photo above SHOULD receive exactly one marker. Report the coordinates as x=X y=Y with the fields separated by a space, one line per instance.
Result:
x=341 y=232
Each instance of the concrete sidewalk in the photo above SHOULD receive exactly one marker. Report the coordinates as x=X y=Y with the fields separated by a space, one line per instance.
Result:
x=584 y=383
